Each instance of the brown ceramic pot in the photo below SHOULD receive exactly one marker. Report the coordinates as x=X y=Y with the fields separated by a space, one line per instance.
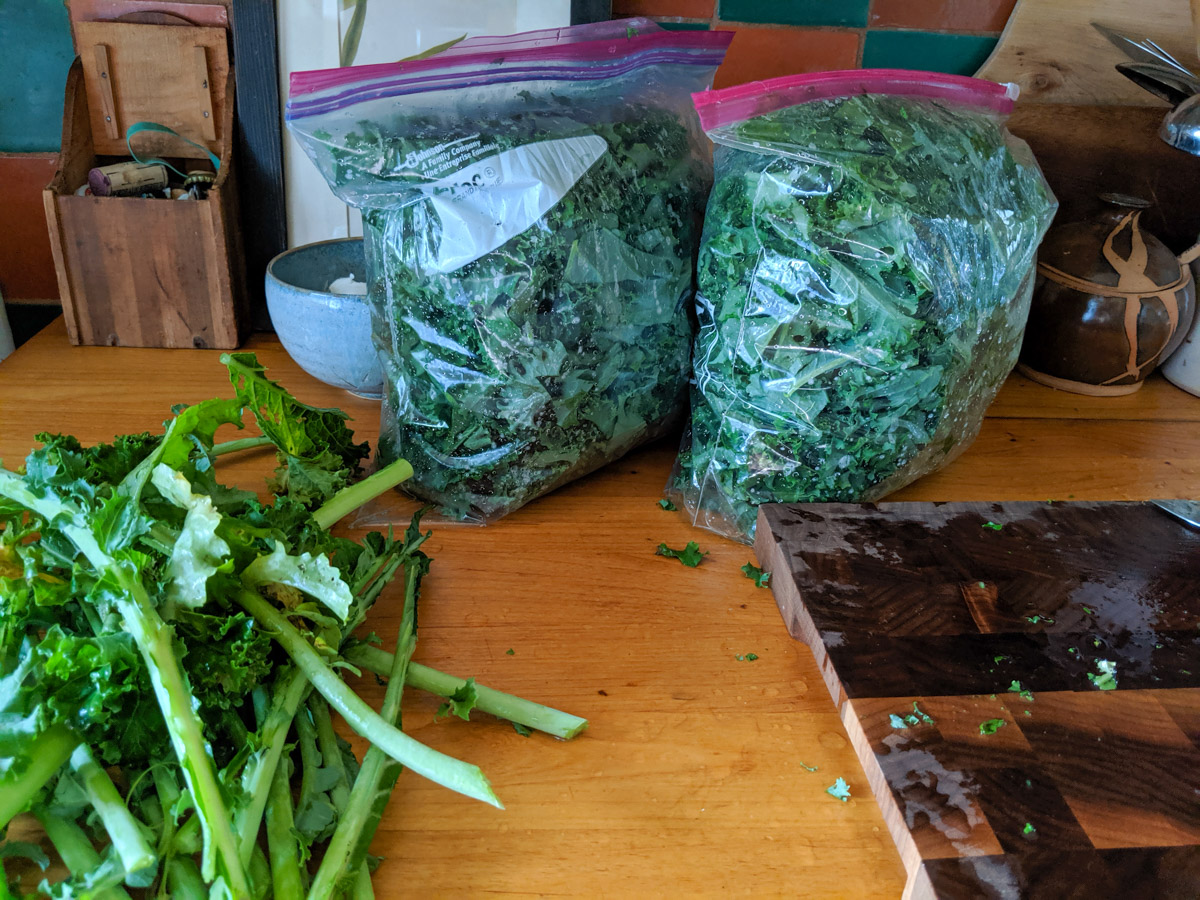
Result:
x=1108 y=302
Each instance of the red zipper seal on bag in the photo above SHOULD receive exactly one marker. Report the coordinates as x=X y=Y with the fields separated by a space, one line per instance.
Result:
x=745 y=101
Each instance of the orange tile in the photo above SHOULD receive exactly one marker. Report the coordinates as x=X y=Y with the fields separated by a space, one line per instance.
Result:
x=759 y=53
x=687 y=9
x=942 y=15
x=26 y=266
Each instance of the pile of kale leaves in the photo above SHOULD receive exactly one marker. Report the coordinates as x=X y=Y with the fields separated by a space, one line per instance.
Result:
x=863 y=285
x=171 y=657
x=558 y=351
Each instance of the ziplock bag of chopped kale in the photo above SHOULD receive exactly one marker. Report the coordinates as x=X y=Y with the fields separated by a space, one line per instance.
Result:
x=863 y=285
x=531 y=213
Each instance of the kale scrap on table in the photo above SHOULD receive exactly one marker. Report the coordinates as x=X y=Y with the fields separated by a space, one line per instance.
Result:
x=863 y=285
x=558 y=351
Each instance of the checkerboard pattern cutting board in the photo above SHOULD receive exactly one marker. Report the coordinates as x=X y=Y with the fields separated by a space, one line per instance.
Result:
x=1021 y=682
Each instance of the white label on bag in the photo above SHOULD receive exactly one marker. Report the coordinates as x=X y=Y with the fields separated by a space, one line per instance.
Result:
x=489 y=202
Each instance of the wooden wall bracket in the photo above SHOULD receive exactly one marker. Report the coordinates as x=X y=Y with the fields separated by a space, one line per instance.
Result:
x=204 y=95
x=108 y=102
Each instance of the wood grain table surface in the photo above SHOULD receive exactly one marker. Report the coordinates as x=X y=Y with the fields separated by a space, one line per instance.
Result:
x=693 y=778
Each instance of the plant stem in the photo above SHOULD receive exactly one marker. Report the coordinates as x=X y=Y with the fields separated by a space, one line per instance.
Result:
x=125 y=831
x=347 y=849
x=184 y=881
x=259 y=871
x=310 y=757
x=46 y=754
x=187 y=838
x=168 y=796
x=290 y=691
x=248 y=443
x=154 y=638
x=168 y=793
x=353 y=34
x=281 y=837
x=362 y=889
x=331 y=756
x=445 y=770
x=355 y=495
x=76 y=851
x=331 y=751
x=505 y=706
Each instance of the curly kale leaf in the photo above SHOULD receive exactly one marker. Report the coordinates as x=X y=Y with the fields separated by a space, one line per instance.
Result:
x=316 y=450
x=691 y=555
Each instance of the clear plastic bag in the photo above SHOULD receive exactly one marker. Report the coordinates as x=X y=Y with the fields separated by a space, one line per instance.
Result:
x=863 y=285
x=531 y=213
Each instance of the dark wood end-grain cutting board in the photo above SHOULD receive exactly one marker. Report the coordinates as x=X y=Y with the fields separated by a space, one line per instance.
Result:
x=979 y=612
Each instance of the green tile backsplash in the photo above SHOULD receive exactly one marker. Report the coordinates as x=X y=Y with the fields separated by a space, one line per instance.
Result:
x=849 y=13
x=961 y=54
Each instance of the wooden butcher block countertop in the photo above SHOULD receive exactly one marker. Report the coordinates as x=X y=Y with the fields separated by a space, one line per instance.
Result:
x=694 y=776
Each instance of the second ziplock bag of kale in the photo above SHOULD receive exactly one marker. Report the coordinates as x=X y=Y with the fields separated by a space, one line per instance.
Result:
x=531 y=212
x=862 y=287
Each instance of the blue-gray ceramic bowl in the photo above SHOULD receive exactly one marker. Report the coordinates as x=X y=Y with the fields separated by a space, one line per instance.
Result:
x=328 y=335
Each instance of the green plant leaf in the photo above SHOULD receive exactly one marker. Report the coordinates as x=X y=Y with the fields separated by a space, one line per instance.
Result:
x=354 y=30
x=755 y=574
x=691 y=555
x=435 y=50
x=314 y=575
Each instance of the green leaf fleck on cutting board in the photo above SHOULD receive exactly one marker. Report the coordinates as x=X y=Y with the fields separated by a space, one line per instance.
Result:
x=991 y=726
x=1105 y=676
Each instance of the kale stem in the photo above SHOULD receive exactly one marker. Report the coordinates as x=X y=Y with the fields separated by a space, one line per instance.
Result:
x=281 y=837
x=45 y=754
x=125 y=831
x=184 y=881
x=259 y=871
x=438 y=767
x=310 y=757
x=248 y=443
x=347 y=849
x=331 y=751
x=290 y=691
x=339 y=793
x=505 y=706
x=362 y=889
x=75 y=849
x=187 y=839
x=355 y=495
x=168 y=796
x=154 y=638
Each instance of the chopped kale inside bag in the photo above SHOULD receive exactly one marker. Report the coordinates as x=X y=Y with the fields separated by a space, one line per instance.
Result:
x=531 y=212
x=560 y=349
x=863 y=286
